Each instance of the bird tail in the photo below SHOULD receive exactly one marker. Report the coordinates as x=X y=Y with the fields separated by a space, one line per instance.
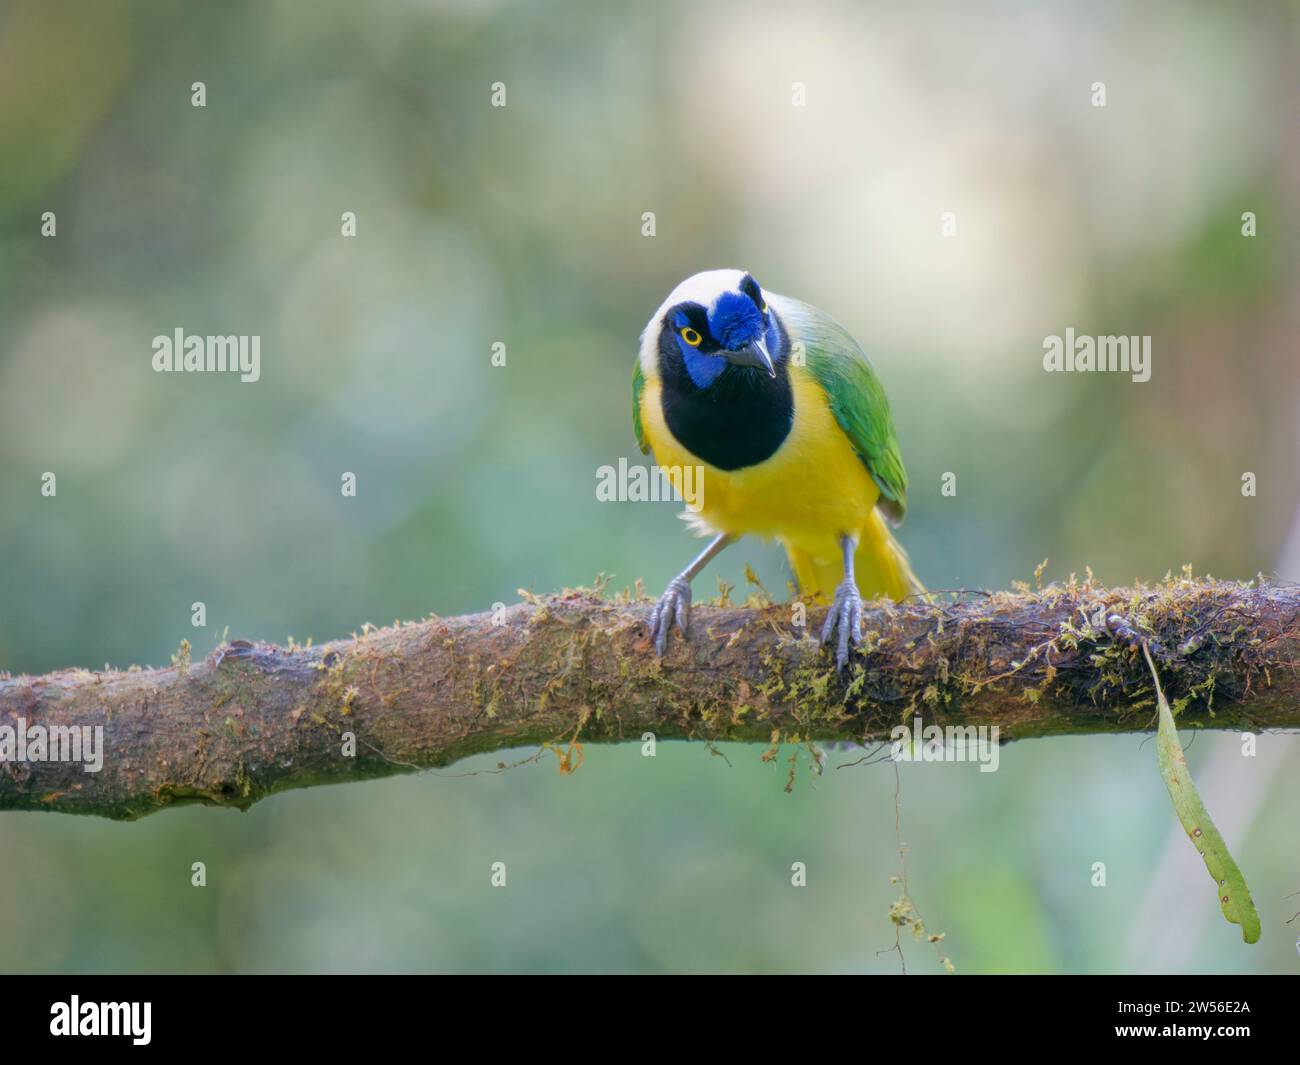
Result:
x=880 y=565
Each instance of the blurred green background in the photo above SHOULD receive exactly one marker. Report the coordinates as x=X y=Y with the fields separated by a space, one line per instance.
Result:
x=523 y=225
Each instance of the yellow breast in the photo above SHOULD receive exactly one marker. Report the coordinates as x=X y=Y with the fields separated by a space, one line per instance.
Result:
x=813 y=490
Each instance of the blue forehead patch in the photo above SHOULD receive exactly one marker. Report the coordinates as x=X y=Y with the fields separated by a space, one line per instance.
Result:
x=734 y=321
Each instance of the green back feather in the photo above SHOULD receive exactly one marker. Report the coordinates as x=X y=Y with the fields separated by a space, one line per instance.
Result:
x=855 y=394
x=638 y=386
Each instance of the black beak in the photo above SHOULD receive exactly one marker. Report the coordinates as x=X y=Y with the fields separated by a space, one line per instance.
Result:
x=755 y=354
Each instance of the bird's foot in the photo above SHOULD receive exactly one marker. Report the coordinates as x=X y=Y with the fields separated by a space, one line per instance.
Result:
x=845 y=615
x=673 y=605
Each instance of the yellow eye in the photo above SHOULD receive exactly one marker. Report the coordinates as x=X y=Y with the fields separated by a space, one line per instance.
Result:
x=691 y=337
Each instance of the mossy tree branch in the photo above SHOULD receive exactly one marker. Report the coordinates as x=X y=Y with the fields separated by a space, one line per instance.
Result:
x=252 y=720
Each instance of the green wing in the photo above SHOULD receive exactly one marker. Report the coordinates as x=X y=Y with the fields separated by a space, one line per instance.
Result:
x=638 y=386
x=856 y=396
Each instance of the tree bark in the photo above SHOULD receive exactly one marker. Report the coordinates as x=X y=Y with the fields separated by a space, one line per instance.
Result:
x=576 y=668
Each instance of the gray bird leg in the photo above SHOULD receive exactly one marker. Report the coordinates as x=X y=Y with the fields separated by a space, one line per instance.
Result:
x=846 y=611
x=675 y=603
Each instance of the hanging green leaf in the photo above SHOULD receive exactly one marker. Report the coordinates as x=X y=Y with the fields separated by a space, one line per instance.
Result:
x=1234 y=895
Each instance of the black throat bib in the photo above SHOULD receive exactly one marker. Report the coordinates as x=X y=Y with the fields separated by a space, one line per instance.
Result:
x=740 y=420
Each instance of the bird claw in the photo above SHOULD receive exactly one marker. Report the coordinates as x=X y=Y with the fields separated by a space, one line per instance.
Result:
x=844 y=615
x=673 y=605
